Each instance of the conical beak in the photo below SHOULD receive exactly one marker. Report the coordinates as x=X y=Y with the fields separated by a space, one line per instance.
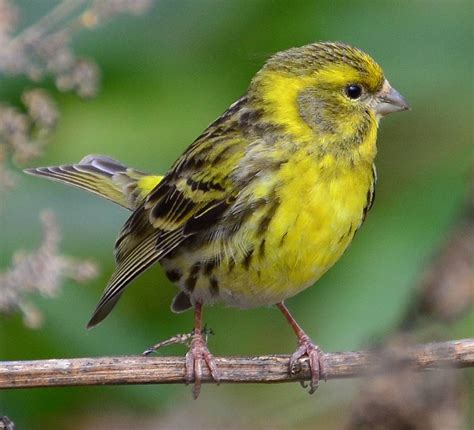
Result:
x=390 y=100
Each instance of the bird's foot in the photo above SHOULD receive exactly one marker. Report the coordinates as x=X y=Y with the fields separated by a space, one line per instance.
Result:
x=197 y=355
x=307 y=348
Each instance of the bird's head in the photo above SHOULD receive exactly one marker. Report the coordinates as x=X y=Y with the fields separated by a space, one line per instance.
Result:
x=332 y=88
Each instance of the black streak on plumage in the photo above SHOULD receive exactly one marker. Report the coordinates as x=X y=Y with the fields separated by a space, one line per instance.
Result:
x=206 y=217
x=210 y=265
x=261 y=249
x=266 y=219
x=174 y=275
x=248 y=258
x=191 y=280
x=213 y=286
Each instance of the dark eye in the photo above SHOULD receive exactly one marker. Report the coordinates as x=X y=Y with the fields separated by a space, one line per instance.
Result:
x=353 y=91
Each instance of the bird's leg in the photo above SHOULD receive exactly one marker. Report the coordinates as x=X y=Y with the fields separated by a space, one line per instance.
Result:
x=197 y=354
x=306 y=347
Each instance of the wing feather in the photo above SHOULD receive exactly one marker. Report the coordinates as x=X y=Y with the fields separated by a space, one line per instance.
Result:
x=187 y=201
x=138 y=261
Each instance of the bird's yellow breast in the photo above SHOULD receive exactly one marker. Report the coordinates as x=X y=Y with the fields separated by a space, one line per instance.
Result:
x=314 y=202
x=319 y=209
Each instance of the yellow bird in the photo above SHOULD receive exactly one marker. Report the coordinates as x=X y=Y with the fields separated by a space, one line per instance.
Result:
x=263 y=202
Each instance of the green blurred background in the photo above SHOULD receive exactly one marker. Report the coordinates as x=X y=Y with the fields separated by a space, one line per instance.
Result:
x=165 y=76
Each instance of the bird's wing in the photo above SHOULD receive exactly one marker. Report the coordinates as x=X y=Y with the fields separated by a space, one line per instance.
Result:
x=191 y=198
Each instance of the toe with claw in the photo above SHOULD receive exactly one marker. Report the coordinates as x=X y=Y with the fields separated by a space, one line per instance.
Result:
x=308 y=349
x=198 y=355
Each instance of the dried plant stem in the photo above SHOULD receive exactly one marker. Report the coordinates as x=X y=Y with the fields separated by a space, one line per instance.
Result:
x=263 y=369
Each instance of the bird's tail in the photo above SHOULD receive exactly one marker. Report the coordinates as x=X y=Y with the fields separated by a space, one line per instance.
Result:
x=105 y=177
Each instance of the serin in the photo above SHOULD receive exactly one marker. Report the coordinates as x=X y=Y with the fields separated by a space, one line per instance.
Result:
x=263 y=202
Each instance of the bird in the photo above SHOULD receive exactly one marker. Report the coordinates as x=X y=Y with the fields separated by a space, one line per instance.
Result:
x=262 y=203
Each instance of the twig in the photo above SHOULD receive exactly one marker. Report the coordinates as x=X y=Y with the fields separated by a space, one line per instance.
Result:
x=263 y=369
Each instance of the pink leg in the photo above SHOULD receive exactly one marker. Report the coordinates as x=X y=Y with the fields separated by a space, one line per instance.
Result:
x=197 y=354
x=306 y=347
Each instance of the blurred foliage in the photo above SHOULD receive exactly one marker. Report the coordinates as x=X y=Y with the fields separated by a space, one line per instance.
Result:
x=165 y=76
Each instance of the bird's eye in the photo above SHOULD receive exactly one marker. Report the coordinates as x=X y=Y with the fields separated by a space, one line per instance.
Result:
x=353 y=91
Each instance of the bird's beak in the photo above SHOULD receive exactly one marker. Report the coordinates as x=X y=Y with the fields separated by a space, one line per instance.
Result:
x=390 y=100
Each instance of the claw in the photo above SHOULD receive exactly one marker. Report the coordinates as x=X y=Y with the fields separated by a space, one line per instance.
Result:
x=316 y=362
x=197 y=354
x=306 y=347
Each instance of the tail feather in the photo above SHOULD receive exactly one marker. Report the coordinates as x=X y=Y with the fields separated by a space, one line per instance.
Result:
x=105 y=177
x=122 y=185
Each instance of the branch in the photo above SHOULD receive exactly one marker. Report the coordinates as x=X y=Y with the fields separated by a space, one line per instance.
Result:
x=264 y=369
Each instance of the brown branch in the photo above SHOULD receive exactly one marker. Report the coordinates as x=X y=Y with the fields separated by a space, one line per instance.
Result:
x=264 y=369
